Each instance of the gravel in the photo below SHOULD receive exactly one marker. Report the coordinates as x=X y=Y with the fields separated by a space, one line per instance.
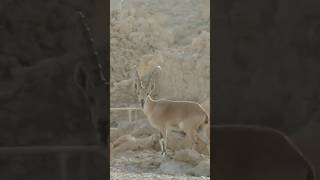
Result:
x=123 y=174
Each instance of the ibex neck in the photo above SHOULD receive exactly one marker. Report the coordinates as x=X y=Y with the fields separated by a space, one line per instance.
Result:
x=148 y=105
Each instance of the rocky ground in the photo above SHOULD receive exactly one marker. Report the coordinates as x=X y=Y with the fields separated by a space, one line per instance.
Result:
x=135 y=150
x=148 y=164
x=119 y=174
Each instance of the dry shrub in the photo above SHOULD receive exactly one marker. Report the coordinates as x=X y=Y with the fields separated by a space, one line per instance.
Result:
x=140 y=36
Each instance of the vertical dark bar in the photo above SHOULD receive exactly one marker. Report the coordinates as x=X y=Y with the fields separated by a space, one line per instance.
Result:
x=108 y=85
x=41 y=44
x=265 y=73
x=102 y=35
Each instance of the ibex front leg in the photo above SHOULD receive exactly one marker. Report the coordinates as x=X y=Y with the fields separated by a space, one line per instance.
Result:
x=163 y=141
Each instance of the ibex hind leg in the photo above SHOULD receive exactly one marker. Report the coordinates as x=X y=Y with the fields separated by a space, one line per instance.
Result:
x=191 y=138
x=199 y=141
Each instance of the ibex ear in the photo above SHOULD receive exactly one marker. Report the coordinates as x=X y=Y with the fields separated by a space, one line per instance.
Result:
x=81 y=77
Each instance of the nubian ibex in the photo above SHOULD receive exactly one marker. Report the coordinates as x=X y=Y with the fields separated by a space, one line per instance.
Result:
x=165 y=114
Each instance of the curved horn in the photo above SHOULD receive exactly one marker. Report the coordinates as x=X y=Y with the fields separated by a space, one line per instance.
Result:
x=154 y=69
x=137 y=77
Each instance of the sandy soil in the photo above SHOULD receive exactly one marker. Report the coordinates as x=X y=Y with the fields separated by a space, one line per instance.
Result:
x=119 y=174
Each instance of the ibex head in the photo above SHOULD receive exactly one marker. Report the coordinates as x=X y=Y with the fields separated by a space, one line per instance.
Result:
x=142 y=91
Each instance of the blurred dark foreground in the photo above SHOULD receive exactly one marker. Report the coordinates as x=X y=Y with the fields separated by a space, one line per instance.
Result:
x=46 y=125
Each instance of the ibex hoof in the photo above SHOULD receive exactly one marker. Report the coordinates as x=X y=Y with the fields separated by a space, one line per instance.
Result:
x=164 y=154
